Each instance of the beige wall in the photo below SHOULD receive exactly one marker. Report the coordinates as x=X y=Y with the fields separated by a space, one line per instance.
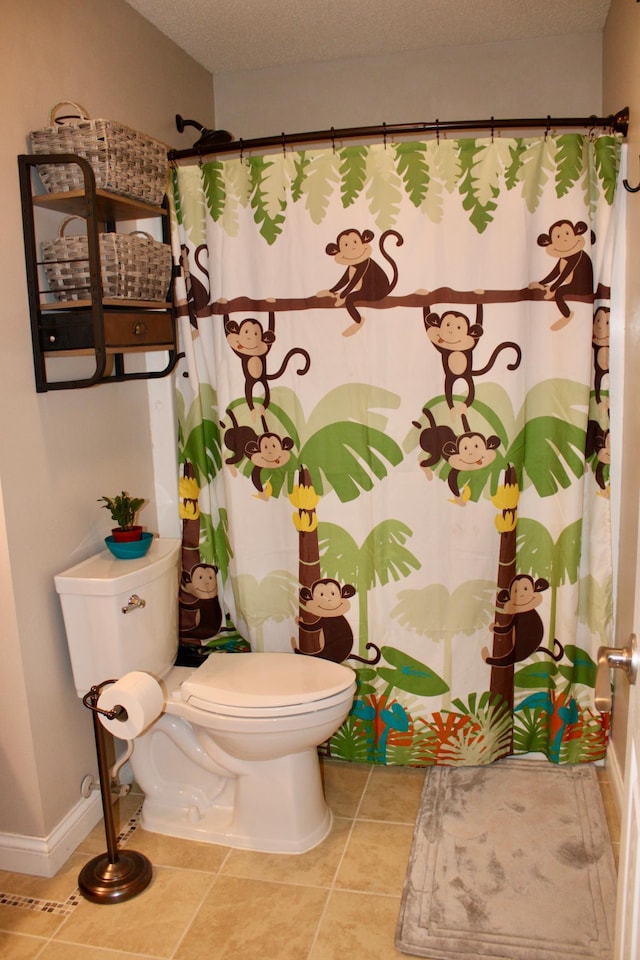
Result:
x=621 y=85
x=60 y=451
x=525 y=79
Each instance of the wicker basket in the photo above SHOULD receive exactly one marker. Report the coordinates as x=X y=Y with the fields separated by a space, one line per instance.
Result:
x=123 y=160
x=134 y=266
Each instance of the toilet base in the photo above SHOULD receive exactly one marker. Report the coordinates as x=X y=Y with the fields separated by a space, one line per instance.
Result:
x=279 y=807
x=217 y=827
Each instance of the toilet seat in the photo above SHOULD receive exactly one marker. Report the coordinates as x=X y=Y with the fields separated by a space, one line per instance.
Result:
x=266 y=684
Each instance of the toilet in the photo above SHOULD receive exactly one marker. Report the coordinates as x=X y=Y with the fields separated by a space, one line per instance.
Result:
x=233 y=758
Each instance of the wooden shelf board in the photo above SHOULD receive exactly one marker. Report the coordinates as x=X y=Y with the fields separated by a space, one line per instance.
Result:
x=107 y=302
x=90 y=352
x=110 y=206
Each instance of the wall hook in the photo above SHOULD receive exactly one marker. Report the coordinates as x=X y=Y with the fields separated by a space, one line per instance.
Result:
x=625 y=184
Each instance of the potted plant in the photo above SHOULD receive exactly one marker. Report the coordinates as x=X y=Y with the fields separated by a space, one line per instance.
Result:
x=124 y=509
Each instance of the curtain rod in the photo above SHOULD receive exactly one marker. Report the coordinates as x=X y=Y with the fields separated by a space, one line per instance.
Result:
x=618 y=123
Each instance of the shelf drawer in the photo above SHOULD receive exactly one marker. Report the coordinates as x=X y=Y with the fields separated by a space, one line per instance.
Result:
x=66 y=331
x=123 y=330
x=132 y=329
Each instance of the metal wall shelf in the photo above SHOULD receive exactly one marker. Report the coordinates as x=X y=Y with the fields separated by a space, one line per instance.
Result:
x=106 y=329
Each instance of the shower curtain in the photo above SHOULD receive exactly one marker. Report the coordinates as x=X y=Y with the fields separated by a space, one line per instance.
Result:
x=394 y=432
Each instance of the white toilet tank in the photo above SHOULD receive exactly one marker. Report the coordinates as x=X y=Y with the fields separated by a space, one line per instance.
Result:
x=104 y=642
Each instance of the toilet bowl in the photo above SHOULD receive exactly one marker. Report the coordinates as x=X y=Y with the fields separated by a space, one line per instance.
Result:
x=233 y=757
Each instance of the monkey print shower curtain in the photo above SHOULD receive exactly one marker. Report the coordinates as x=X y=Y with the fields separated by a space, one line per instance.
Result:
x=394 y=432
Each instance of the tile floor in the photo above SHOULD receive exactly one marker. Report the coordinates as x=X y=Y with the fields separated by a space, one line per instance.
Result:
x=208 y=902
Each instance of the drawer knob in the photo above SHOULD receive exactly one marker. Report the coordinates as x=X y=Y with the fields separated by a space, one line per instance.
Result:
x=139 y=328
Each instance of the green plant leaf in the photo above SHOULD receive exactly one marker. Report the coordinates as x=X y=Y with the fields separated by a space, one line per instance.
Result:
x=349 y=455
x=538 y=675
x=175 y=194
x=411 y=163
x=512 y=173
x=548 y=450
x=536 y=164
x=384 y=190
x=584 y=668
x=214 y=187
x=570 y=162
x=353 y=169
x=480 y=213
x=322 y=173
x=301 y=162
x=266 y=201
x=410 y=674
x=607 y=163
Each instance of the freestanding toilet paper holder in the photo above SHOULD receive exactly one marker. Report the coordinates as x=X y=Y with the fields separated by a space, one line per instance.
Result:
x=116 y=875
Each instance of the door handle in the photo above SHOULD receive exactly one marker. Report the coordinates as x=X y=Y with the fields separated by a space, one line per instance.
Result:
x=622 y=658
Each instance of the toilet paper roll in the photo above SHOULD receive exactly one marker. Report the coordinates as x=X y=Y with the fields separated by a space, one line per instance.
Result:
x=141 y=696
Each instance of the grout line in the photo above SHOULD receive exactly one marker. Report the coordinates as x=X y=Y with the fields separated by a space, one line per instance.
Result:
x=196 y=911
x=332 y=885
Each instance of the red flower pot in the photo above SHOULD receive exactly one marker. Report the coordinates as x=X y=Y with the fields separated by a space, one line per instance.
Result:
x=124 y=536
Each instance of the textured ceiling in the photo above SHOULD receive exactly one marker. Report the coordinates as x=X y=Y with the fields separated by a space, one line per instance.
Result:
x=224 y=35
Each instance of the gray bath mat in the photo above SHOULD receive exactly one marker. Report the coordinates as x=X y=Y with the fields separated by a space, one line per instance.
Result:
x=510 y=861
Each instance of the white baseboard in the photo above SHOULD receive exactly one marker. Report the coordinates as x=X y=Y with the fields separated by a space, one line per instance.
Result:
x=43 y=856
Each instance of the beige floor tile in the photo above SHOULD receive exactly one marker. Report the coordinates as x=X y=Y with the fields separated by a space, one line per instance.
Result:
x=56 y=889
x=71 y=951
x=316 y=868
x=393 y=794
x=611 y=810
x=344 y=785
x=357 y=925
x=376 y=858
x=253 y=920
x=153 y=922
x=34 y=923
x=123 y=810
x=16 y=947
x=171 y=852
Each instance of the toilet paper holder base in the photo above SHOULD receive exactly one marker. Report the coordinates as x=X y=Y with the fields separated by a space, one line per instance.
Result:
x=117 y=875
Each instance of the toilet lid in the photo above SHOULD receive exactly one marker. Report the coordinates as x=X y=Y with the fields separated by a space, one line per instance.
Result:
x=259 y=680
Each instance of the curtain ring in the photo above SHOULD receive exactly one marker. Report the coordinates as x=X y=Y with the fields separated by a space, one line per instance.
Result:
x=384 y=135
x=492 y=128
x=437 y=131
x=548 y=126
x=284 y=145
x=625 y=184
x=333 y=139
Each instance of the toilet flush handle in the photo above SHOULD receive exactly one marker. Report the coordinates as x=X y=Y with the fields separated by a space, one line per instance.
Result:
x=134 y=602
x=625 y=658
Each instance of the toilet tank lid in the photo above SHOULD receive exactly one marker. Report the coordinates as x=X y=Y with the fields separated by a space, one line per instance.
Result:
x=105 y=575
x=265 y=679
